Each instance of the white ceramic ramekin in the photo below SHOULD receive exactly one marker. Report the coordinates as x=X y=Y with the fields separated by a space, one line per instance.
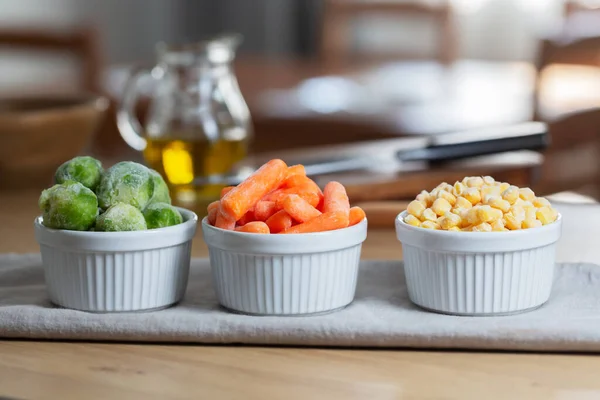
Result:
x=296 y=274
x=117 y=271
x=478 y=273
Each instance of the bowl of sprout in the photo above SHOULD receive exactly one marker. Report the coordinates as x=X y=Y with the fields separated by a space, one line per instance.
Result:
x=110 y=240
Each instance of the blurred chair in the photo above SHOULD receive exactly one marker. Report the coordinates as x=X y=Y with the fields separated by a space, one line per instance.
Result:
x=572 y=161
x=82 y=43
x=336 y=33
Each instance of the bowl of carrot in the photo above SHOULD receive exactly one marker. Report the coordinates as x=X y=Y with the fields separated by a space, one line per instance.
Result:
x=279 y=245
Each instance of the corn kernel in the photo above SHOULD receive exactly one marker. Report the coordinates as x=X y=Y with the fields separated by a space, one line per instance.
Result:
x=472 y=216
x=430 y=225
x=458 y=189
x=473 y=195
x=428 y=215
x=425 y=198
x=462 y=213
x=518 y=212
x=526 y=194
x=475 y=182
x=503 y=186
x=488 y=180
x=416 y=208
x=530 y=213
x=511 y=222
x=450 y=220
x=488 y=214
x=498 y=225
x=511 y=194
x=441 y=206
x=483 y=227
x=434 y=193
x=531 y=223
x=449 y=197
x=491 y=190
x=454 y=229
x=412 y=220
x=541 y=202
x=499 y=203
x=544 y=215
x=461 y=202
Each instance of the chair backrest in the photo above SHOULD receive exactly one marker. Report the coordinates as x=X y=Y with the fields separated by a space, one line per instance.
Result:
x=338 y=15
x=82 y=43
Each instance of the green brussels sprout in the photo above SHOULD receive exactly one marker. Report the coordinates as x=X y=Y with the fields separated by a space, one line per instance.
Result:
x=161 y=190
x=125 y=182
x=85 y=170
x=121 y=217
x=161 y=215
x=69 y=206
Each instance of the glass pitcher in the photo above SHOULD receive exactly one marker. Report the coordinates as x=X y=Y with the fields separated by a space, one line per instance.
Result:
x=198 y=125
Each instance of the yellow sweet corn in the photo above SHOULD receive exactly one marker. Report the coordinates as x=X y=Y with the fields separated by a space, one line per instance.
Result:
x=412 y=220
x=488 y=180
x=541 y=202
x=498 y=225
x=530 y=212
x=430 y=225
x=518 y=212
x=503 y=186
x=416 y=208
x=454 y=229
x=449 y=197
x=488 y=214
x=429 y=215
x=531 y=223
x=490 y=191
x=483 y=227
x=545 y=215
x=511 y=222
x=526 y=194
x=425 y=198
x=473 y=195
x=499 y=203
x=461 y=202
x=450 y=220
x=441 y=206
x=511 y=194
x=475 y=182
x=473 y=216
x=458 y=189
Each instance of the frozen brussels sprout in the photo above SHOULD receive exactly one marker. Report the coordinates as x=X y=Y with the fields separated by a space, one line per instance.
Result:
x=121 y=217
x=125 y=182
x=85 y=170
x=161 y=215
x=160 y=192
x=69 y=206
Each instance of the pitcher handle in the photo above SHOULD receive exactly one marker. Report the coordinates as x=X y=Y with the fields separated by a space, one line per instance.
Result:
x=127 y=122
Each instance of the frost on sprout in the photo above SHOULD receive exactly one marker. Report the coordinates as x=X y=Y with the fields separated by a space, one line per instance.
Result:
x=121 y=217
x=126 y=182
x=69 y=206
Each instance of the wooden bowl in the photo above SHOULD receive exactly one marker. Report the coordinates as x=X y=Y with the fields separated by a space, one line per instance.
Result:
x=37 y=134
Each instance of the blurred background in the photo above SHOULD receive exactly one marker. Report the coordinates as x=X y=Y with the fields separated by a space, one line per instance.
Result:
x=389 y=97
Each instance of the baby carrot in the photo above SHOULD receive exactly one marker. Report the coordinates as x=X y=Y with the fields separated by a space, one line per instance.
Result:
x=213 y=205
x=247 y=218
x=226 y=190
x=297 y=169
x=224 y=221
x=356 y=215
x=279 y=221
x=239 y=200
x=306 y=191
x=254 y=227
x=325 y=222
x=298 y=208
x=212 y=215
x=264 y=209
x=335 y=198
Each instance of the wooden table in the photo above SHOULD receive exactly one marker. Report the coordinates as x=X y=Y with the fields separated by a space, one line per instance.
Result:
x=61 y=370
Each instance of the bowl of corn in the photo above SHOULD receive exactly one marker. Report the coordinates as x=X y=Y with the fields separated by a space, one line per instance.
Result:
x=479 y=247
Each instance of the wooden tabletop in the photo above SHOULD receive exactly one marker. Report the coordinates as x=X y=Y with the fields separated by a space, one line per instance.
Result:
x=62 y=370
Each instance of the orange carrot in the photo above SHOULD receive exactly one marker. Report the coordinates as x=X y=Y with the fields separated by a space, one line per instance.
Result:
x=296 y=170
x=298 y=208
x=224 y=221
x=279 y=221
x=306 y=191
x=226 y=190
x=213 y=205
x=254 y=227
x=239 y=200
x=247 y=218
x=356 y=215
x=212 y=215
x=264 y=209
x=325 y=222
x=335 y=198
